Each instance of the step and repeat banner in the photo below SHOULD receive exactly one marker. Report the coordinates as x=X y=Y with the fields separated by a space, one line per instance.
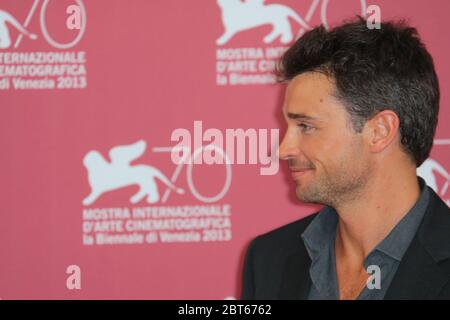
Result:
x=108 y=187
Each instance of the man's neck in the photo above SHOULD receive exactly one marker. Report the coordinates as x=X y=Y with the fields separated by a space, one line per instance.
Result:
x=366 y=221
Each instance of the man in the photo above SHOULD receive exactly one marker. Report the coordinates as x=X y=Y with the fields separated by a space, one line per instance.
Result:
x=361 y=108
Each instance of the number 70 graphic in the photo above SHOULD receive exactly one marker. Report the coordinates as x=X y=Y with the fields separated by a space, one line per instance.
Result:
x=43 y=24
x=189 y=172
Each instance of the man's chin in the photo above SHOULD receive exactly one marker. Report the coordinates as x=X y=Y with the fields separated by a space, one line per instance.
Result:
x=302 y=194
x=306 y=195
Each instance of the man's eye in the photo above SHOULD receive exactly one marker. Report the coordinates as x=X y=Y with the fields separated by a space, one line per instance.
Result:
x=305 y=127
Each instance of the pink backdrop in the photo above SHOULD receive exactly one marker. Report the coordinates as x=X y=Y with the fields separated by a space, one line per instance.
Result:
x=135 y=71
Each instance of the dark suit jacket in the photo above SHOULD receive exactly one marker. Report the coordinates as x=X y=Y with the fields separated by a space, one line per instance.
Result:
x=277 y=264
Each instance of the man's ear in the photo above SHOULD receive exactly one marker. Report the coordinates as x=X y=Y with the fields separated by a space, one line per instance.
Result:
x=381 y=130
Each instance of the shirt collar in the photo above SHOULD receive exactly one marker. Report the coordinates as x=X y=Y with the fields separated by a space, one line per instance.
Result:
x=321 y=232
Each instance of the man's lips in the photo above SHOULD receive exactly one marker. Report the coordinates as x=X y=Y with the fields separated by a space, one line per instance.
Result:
x=299 y=172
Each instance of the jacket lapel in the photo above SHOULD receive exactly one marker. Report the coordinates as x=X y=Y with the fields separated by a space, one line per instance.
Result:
x=418 y=276
x=296 y=282
x=422 y=273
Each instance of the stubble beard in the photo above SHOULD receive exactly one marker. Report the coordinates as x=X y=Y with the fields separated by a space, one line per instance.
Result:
x=344 y=184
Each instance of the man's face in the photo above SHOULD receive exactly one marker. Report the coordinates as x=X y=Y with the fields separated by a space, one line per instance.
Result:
x=327 y=158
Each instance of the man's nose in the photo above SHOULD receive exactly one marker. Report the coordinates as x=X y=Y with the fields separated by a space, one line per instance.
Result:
x=289 y=148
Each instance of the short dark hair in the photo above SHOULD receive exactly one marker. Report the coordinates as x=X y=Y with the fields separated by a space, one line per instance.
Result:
x=374 y=70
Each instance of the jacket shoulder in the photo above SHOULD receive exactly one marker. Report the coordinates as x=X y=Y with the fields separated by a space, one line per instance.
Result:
x=267 y=256
x=285 y=236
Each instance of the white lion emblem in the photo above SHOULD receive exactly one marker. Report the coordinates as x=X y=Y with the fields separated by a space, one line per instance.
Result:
x=428 y=171
x=106 y=176
x=5 y=39
x=240 y=15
